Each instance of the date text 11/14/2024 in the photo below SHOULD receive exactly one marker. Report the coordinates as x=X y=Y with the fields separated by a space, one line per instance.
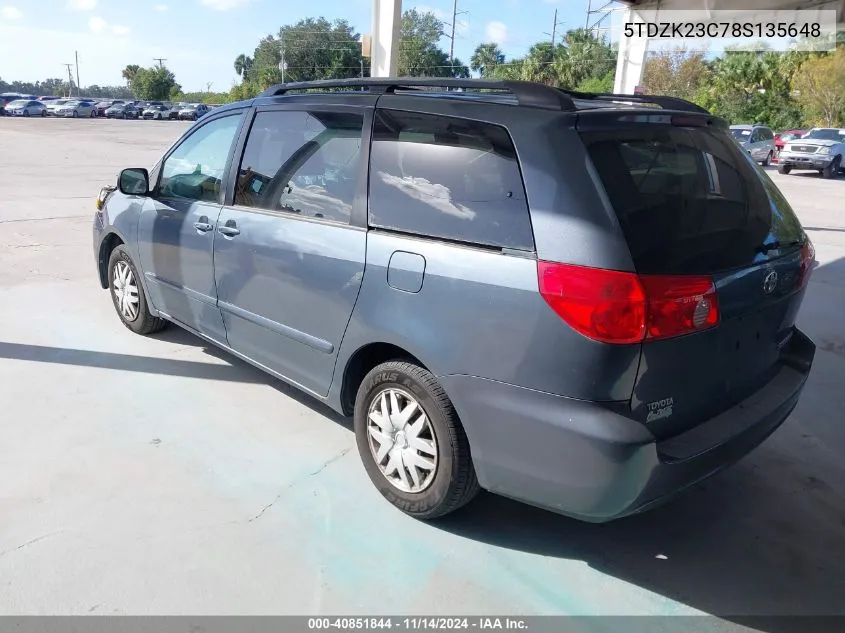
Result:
x=417 y=624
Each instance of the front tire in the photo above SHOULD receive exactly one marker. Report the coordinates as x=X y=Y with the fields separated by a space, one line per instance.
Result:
x=127 y=294
x=75 y=114
x=411 y=441
x=832 y=170
x=768 y=159
x=784 y=169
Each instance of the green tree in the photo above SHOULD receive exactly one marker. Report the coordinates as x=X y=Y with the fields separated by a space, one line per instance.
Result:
x=419 y=52
x=314 y=49
x=485 y=59
x=677 y=72
x=129 y=73
x=156 y=83
x=820 y=87
x=243 y=64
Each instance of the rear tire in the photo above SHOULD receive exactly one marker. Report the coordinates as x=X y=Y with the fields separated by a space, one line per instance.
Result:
x=43 y=113
x=75 y=114
x=832 y=170
x=784 y=169
x=127 y=293
x=768 y=159
x=429 y=450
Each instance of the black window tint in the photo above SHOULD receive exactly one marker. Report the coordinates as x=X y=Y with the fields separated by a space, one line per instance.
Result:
x=306 y=163
x=448 y=178
x=689 y=201
x=195 y=169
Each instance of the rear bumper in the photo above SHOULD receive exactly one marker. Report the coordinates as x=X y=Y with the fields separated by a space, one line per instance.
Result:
x=590 y=462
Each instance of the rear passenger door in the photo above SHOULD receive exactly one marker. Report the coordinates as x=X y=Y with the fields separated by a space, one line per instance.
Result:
x=289 y=253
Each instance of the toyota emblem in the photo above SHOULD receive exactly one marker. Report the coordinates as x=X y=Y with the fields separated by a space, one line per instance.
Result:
x=770 y=282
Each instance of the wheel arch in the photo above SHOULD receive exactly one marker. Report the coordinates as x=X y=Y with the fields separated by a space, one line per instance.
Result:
x=361 y=361
x=112 y=240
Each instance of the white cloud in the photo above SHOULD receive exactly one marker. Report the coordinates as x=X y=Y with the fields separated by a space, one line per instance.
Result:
x=82 y=5
x=120 y=30
x=97 y=24
x=161 y=8
x=11 y=13
x=496 y=32
x=223 y=5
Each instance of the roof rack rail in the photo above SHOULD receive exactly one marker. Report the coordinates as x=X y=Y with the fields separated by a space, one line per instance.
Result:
x=667 y=103
x=527 y=93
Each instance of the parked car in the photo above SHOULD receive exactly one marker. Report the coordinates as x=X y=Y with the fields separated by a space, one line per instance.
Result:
x=788 y=135
x=591 y=346
x=821 y=149
x=26 y=107
x=76 y=108
x=193 y=111
x=173 y=112
x=48 y=98
x=103 y=106
x=52 y=105
x=7 y=97
x=757 y=140
x=157 y=112
x=123 y=111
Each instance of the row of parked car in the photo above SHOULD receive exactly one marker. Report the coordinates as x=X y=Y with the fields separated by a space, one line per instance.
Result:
x=29 y=106
x=817 y=149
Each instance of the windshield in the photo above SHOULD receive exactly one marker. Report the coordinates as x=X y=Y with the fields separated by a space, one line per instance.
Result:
x=18 y=102
x=827 y=134
x=740 y=134
x=689 y=201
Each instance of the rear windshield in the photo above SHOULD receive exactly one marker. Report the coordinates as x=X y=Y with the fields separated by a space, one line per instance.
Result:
x=741 y=133
x=690 y=201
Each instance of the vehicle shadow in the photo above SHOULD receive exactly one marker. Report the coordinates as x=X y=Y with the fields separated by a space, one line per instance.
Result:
x=241 y=371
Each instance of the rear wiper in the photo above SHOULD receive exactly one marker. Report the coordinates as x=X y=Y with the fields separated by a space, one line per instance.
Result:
x=776 y=246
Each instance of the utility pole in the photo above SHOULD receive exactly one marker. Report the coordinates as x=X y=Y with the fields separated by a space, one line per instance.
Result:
x=208 y=86
x=78 y=85
x=554 y=29
x=160 y=61
x=69 y=79
x=455 y=14
x=282 y=63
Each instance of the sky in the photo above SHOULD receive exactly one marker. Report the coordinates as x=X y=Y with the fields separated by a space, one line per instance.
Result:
x=199 y=39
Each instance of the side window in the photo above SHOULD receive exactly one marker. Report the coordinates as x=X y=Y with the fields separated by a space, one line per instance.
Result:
x=194 y=171
x=303 y=163
x=449 y=178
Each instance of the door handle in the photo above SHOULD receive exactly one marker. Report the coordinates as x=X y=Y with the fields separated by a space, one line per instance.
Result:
x=229 y=230
x=203 y=227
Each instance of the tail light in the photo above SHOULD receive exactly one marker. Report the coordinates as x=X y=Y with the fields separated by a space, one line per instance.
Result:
x=619 y=307
x=808 y=260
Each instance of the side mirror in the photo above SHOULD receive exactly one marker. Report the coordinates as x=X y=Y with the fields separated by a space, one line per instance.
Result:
x=134 y=182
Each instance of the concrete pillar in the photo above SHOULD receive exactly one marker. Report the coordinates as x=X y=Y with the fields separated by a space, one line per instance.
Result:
x=387 y=24
x=629 y=62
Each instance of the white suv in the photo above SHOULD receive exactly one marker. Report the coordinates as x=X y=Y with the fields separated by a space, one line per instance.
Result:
x=821 y=149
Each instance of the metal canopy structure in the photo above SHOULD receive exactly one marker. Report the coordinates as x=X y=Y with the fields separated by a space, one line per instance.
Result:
x=632 y=50
x=387 y=17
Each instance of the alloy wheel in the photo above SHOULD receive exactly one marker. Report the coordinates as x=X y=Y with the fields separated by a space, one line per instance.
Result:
x=125 y=290
x=402 y=440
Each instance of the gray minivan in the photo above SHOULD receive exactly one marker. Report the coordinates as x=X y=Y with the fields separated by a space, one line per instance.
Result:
x=579 y=301
x=758 y=140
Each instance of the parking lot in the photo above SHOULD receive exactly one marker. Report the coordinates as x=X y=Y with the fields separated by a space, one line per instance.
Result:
x=160 y=476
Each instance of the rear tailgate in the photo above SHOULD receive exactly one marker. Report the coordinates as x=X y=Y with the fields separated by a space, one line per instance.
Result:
x=690 y=202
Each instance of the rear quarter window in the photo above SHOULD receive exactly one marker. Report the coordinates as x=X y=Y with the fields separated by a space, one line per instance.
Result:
x=689 y=201
x=447 y=178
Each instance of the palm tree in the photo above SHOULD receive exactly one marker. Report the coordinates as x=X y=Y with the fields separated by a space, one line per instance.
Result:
x=485 y=58
x=130 y=72
x=243 y=64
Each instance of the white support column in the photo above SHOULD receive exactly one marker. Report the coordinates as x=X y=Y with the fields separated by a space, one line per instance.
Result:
x=629 y=62
x=387 y=22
